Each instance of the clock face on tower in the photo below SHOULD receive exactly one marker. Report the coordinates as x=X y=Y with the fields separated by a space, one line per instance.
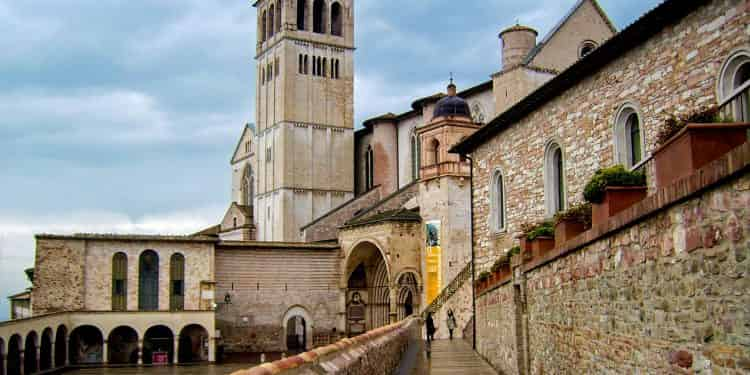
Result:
x=477 y=113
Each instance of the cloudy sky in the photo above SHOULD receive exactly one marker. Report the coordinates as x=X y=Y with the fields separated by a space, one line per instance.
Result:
x=120 y=116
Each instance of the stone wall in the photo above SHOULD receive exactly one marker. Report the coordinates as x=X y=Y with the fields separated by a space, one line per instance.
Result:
x=661 y=288
x=327 y=226
x=58 y=275
x=376 y=352
x=264 y=281
x=674 y=71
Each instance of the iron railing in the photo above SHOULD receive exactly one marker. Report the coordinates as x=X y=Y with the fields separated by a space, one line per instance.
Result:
x=448 y=291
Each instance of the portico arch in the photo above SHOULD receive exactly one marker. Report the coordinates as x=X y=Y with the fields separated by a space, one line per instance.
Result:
x=45 y=350
x=298 y=328
x=86 y=345
x=368 y=292
x=14 y=362
x=123 y=345
x=193 y=344
x=407 y=294
x=61 y=345
x=30 y=353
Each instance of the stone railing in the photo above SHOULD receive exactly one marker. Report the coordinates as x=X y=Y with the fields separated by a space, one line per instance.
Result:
x=375 y=352
x=448 y=291
x=445 y=168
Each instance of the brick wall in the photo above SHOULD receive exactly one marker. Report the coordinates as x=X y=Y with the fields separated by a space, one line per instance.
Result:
x=674 y=71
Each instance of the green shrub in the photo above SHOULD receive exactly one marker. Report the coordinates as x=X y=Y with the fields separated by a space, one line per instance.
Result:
x=500 y=262
x=673 y=124
x=580 y=213
x=515 y=250
x=483 y=276
x=543 y=229
x=613 y=176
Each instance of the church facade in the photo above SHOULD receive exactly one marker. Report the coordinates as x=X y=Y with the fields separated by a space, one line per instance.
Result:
x=333 y=229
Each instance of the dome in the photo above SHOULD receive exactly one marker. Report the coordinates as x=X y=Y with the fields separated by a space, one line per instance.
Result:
x=452 y=105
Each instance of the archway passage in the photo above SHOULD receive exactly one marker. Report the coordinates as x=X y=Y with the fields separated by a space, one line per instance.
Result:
x=86 y=344
x=13 y=361
x=45 y=350
x=193 y=344
x=368 y=292
x=29 y=354
x=61 y=343
x=296 y=334
x=122 y=346
x=408 y=290
x=158 y=345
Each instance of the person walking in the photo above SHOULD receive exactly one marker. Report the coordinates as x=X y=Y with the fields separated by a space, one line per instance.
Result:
x=430 y=325
x=451 y=323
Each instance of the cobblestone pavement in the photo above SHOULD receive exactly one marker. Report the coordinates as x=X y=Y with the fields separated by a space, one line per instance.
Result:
x=170 y=370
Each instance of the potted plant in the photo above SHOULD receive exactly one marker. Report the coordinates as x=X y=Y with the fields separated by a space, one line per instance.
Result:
x=538 y=239
x=483 y=280
x=572 y=222
x=612 y=190
x=501 y=268
x=687 y=143
x=515 y=256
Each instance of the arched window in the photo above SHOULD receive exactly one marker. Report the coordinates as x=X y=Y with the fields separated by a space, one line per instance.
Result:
x=498 y=202
x=301 y=14
x=148 y=281
x=369 y=168
x=336 y=20
x=307 y=64
x=734 y=85
x=119 y=282
x=337 y=69
x=628 y=136
x=414 y=157
x=271 y=20
x=319 y=9
x=586 y=48
x=554 y=179
x=177 y=281
x=278 y=15
x=435 y=152
x=264 y=29
x=249 y=185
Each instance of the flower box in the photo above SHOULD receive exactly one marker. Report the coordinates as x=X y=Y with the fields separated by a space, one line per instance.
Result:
x=567 y=229
x=516 y=260
x=542 y=245
x=616 y=199
x=695 y=146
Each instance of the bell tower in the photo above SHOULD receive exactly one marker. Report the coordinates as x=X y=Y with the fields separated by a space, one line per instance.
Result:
x=304 y=113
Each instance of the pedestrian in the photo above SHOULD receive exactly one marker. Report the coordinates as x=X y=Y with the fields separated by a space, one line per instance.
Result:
x=430 y=325
x=451 y=322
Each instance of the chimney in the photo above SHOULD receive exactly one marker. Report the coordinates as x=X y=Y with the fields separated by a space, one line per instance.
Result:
x=517 y=42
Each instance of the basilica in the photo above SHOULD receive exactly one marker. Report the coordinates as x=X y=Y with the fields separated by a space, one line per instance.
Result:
x=335 y=228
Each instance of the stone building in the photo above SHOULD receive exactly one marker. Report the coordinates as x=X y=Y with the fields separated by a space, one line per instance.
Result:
x=332 y=231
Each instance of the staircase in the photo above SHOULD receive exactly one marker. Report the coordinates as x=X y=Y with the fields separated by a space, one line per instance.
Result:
x=448 y=291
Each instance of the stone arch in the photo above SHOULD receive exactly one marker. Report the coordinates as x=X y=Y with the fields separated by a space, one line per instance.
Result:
x=61 y=345
x=122 y=345
x=158 y=339
x=292 y=332
x=319 y=16
x=45 y=350
x=407 y=298
x=555 y=192
x=301 y=14
x=30 y=354
x=13 y=360
x=193 y=346
x=86 y=345
x=367 y=307
x=337 y=19
x=629 y=150
x=271 y=20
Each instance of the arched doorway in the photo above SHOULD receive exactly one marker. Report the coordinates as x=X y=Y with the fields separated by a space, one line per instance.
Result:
x=86 y=344
x=13 y=361
x=296 y=337
x=158 y=345
x=61 y=343
x=408 y=295
x=368 y=291
x=122 y=346
x=29 y=354
x=193 y=344
x=45 y=350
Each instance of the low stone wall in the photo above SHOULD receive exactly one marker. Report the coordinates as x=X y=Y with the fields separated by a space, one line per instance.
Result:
x=376 y=352
x=663 y=287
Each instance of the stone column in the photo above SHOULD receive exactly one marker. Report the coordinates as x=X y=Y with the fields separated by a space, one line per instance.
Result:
x=342 y=312
x=176 y=351
x=140 y=352
x=67 y=352
x=212 y=349
x=21 y=361
x=394 y=304
x=105 y=352
x=38 y=357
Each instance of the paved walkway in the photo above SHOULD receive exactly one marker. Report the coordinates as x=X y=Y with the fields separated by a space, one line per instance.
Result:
x=449 y=358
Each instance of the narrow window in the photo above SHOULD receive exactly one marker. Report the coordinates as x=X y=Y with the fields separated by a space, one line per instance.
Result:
x=333 y=64
x=119 y=282
x=498 y=201
x=337 y=69
x=318 y=15
x=278 y=15
x=369 y=168
x=435 y=152
x=734 y=87
x=301 y=14
x=277 y=67
x=148 y=281
x=414 y=157
x=554 y=179
x=634 y=132
x=177 y=281
x=307 y=64
x=559 y=184
x=336 y=27
x=628 y=140
x=262 y=76
x=325 y=67
x=264 y=29
x=271 y=20
x=299 y=65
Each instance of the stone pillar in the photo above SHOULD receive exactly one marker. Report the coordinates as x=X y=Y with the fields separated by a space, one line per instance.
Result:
x=105 y=352
x=342 y=312
x=140 y=352
x=21 y=361
x=67 y=353
x=212 y=349
x=394 y=304
x=176 y=350
x=38 y=357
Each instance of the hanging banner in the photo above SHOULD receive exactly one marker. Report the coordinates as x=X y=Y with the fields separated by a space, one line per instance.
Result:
x=433 y=254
